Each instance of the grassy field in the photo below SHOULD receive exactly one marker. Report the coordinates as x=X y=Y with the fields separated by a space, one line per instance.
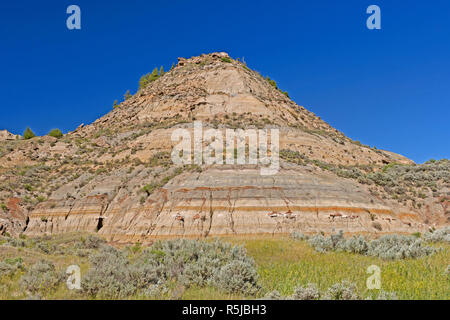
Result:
x=285 y=263
x=282 y=264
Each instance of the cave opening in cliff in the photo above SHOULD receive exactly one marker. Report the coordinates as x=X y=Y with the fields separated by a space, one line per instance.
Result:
x=99 y=223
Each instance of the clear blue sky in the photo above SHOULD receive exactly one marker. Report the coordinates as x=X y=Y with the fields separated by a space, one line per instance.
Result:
x=388 y=88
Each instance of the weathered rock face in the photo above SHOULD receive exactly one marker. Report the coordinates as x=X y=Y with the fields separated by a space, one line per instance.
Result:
x=93 y=179
x=230 y=200
x=13 y=218
x=5 y=135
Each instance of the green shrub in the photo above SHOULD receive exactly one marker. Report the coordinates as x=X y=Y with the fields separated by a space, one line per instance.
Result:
x=441 y=235
x=310 y=292
x=28 y=134
x=390 y=247
x=237 y=277
x=342 y=291
x=399 y=247
x=14 y=242
x=273 y=295
x=187 y=262
x=148 y=78
x=296 y=235
x=226 y=60
x=272 y=82
x=56 y=133
x=385 y=295
x=41 y=277
x=127 y=95
x=93 y=242
x=9 y=267
x=109 y=275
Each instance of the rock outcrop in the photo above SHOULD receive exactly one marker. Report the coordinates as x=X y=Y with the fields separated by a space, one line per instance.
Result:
x=5 y=135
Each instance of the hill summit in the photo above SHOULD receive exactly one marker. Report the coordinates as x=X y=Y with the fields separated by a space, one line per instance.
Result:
x=116 y=176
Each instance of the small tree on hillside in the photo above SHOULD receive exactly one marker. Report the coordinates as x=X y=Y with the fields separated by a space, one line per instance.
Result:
x=127 y=95
x=154 y=75
x=143 y=82
x=149 y=77
x=161 y=71
x=56 y=133
x=28 y=134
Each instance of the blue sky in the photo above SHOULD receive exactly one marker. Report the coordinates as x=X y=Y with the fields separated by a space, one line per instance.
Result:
x=388 y=88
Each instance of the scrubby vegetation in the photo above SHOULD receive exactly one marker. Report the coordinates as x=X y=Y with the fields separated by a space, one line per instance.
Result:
x=28 y=134
x=273 y=83
x=150 y=77
x=343 y=290
x=42 y=277
x=9 y=267
x=398 y=181
x=185 y=262
x=276 y=268
x=389 y=247
x=56 y=133
x=441 y=235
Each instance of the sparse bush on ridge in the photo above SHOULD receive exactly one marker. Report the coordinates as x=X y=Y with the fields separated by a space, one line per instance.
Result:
x=273 y=83
x=401 y=182
x=150 y=77
x=56 y=133
x=28 y=134
x=127 y=95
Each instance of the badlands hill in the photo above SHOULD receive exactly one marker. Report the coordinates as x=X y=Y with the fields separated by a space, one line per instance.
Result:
x=116 y=177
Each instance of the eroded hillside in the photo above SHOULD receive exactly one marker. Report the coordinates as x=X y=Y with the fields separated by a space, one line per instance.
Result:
x=116 y=177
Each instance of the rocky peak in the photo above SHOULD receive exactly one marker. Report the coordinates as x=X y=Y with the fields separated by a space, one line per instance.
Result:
x=5 y=135
x=115 y=176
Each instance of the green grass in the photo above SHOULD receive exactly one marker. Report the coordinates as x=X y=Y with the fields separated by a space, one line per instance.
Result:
x=282 y=265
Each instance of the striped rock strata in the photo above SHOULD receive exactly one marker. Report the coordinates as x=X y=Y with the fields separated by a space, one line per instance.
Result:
x=228 y=201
